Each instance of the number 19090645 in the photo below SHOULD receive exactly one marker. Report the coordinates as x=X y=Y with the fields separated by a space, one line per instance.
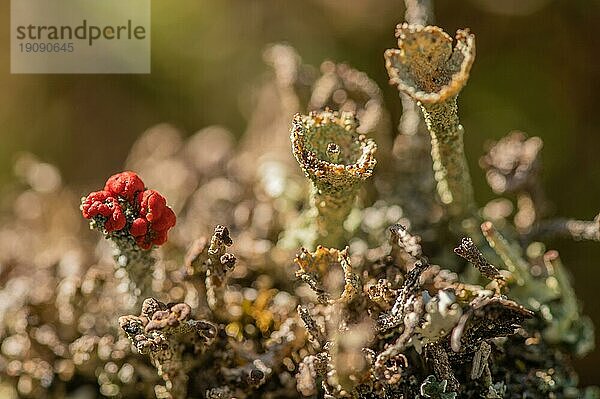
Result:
x=29 y=47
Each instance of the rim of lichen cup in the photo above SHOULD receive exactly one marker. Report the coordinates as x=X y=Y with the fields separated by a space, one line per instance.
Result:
x=426 y=66
x=357 y=162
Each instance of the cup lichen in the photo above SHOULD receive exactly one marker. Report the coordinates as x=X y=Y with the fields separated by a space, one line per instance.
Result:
x=337 y=160
x=430 y=71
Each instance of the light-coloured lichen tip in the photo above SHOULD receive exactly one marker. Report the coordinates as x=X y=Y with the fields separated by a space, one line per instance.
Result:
x=330 y=150
x=315 y=268
x=425 y=66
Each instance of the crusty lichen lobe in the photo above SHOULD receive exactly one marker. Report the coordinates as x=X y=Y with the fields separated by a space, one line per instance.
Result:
x=337 y=159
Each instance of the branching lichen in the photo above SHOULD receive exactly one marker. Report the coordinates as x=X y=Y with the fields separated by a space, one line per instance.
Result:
x=171 y=339
x=212 y=262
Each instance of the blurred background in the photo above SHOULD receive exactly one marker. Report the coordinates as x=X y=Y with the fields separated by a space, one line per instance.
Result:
x=537 y=70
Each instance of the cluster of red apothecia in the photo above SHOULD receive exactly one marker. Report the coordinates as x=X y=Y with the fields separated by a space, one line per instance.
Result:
x=125 y=205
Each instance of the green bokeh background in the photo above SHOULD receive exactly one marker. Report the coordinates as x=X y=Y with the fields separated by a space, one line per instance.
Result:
x=537 y=70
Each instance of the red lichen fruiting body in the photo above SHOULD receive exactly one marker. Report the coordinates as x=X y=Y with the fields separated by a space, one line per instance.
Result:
x=101 y=203
x=139 y=227
x=165 y=222
x=152 y=205
x=94 y=205
x=116 y=221
x=149 y=216
x=125 y=185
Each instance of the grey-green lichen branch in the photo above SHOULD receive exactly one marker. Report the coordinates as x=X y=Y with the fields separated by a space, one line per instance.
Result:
x=340 y=341
x=429 y=70
x=136 y=264
x=337 y=160
x=208 y=262
x=172 y=340
x=550 y=294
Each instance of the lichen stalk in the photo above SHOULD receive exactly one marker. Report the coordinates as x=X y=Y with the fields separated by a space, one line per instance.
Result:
x=136 y=265
x=209 y=262
x=449 y=161
x=431 y=72
x=332 y=207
